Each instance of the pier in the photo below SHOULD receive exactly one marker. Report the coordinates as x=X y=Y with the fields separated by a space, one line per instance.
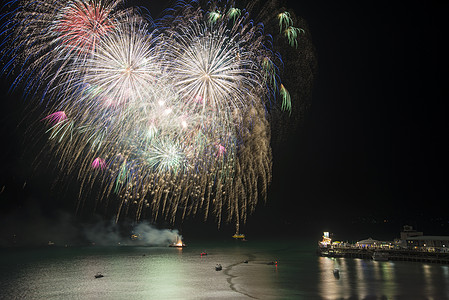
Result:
x=412 y=246
x=390 y=254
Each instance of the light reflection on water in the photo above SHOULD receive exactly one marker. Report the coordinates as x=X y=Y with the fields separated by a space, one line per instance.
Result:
x=367 y=279
x=170 y=273
x=427 y=272
x=388 y=277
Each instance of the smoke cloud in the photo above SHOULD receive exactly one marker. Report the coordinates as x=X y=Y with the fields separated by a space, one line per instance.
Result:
x=33 y=226
x=142 y=234
x=151 y=236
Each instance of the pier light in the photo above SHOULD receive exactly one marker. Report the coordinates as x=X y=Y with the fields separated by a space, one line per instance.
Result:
x=326 y=239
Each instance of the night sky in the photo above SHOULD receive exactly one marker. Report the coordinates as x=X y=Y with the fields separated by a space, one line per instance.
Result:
x=372 y=146
x=369 y=152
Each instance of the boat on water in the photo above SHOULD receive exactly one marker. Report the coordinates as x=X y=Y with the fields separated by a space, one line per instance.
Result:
x=336 y=273
x=380 y=256
x=218 y=267
x=178 y=243
x=99 y=275
x=326 y=252
x=239 y=236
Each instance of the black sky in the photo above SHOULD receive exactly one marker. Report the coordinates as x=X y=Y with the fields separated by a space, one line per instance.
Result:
x=371 y=146
x=373 y=142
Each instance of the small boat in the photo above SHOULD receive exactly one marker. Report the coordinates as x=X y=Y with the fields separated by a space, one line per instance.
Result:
x=330 y=253
x=245 y=262
x=203 y=253
x=336 y=273
x=218 y=267
x=99 y=275
x=380 y=256
x=273 y=263
x=239 y=236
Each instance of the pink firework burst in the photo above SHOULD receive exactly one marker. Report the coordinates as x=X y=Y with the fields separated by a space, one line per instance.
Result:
x=56 y=117
x=221 y=150
x=98 y=163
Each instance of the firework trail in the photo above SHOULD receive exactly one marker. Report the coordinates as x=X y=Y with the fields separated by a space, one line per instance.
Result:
x=171 y=118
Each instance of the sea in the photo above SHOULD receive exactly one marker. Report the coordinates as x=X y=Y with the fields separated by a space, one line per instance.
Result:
x=255 y=269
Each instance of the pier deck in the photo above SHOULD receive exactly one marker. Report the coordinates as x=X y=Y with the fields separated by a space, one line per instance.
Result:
x=392 y=254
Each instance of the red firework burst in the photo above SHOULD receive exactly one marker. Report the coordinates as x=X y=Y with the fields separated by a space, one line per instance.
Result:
x=83 y=23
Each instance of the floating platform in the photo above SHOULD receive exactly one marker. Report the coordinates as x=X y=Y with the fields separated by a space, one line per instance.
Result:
x=178 y=243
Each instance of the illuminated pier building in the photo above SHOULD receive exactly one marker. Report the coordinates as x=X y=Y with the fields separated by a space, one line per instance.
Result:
x=412 y=246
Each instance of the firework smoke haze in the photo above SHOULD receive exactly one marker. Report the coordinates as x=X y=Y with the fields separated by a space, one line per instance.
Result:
x=163 y=120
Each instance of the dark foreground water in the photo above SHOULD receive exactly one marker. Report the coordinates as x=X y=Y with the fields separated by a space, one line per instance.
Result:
x=171 y=273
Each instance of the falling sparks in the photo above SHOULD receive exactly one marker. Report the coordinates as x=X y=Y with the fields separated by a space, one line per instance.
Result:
x=170 y=117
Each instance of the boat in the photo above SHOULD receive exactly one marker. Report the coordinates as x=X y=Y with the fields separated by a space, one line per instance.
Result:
x=218 y=267
x=99 y=275
x=330 y=253
x=178 y=243
x=239 y=236
x=336 y=273
x=380 y=256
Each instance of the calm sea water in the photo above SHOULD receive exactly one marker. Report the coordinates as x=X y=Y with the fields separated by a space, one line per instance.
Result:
x=171 y=273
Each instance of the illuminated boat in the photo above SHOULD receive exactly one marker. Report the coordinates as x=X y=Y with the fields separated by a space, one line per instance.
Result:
x=178 y=243
x=239 y=236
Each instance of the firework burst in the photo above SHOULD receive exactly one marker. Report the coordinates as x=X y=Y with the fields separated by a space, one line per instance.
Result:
x=172 y=118
x=46 y=37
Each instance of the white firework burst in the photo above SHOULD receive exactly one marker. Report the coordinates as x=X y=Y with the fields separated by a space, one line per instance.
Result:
x=212 y=66
x=124 y=67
